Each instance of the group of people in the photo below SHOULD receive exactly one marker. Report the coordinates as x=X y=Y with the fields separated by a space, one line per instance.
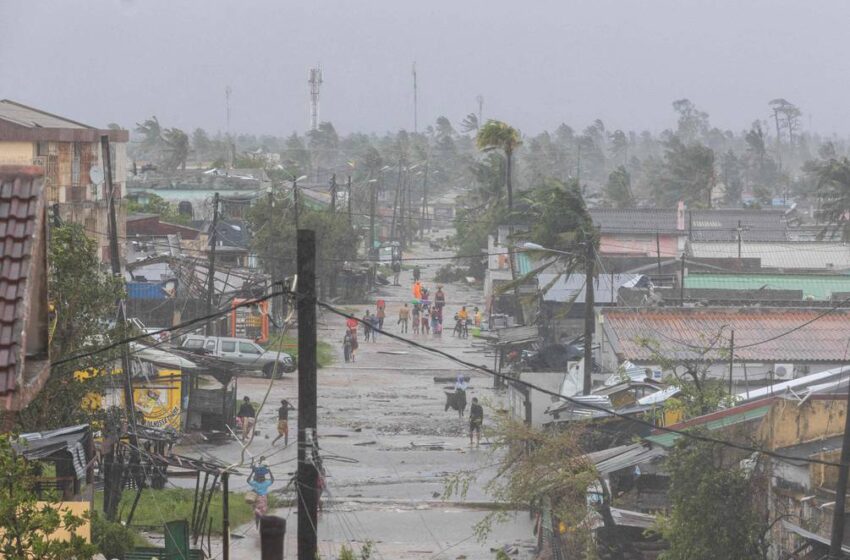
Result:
x=457 y=401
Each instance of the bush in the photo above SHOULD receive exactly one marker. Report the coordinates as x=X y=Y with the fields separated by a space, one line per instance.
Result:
x=448 y=273
x=113 y=540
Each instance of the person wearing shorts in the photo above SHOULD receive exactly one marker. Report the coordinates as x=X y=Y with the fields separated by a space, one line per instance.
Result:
x=283 y=422
x=476 y=421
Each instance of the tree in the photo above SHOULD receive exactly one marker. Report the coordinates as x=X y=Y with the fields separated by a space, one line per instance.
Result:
x=496 y=135
x=833 y=188
x=176 y=148
x=620 y=146
x=713 y=513
x=151 y=133
x=688 y=174
x=618 y=192
x=469 y=123
x=323 y=143
x=155 y=204
x=28 y=520
x=84 y=297
x=692 y=122
x=730 y=168
x=201 y=143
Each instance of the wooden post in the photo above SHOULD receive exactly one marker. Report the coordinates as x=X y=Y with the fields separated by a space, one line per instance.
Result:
x=589 y=317
x=225 y=515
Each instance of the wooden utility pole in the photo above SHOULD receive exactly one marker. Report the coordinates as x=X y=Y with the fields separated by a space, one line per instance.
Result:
x=739 y=242
x=308 y=473
x=838 y=520
x=731 y=358
x=658 y=251
x=210 y=329
x=333 y=193
x=395 y=201
x=272 y=533
x=113 y=486
x=225 y=515
x=295 y=199
x=349 y=200
x=372 y=203
x=589 y=317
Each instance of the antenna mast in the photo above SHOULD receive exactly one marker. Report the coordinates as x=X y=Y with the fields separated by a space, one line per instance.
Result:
x=480 y=99
x=315 y=81
x=415 y=102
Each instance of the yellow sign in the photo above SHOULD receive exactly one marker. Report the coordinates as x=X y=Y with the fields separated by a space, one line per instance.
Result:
x=159 y=400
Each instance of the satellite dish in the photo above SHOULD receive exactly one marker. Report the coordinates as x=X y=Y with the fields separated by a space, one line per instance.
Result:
x=96 y=174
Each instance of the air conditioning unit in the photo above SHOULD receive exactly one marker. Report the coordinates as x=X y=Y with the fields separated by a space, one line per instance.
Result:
x=783 y=371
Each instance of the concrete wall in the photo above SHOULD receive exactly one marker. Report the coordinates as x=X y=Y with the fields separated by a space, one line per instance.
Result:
x=539 y=402
x=20 y=153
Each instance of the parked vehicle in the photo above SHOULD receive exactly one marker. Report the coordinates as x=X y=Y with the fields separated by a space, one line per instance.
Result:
x=241 y=352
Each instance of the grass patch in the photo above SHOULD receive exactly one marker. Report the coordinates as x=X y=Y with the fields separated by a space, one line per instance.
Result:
x=156 y=507
x=289 y=344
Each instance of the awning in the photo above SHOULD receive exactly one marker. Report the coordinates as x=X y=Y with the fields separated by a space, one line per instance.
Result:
x=43 y=445
x=809 y=536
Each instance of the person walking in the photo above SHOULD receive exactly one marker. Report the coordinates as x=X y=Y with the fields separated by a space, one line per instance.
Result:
x=367 y=326
x=439 y=299
x=260 y=480
x=396 y=272
x=283 y=422
x=381 y=313
x=417 y=289
x=416 y=273
x=476 y=421
x=426 y=321
x=347 y=343
x=477 y=318
x=417 y=311
x=374 y=322
x=403 y=318
x=436 y=327
x=247 y=417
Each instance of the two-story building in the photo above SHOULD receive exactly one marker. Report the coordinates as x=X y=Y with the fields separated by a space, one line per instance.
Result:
x=70 y=156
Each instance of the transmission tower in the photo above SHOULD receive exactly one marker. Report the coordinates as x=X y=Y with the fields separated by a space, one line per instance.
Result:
x=315 y=81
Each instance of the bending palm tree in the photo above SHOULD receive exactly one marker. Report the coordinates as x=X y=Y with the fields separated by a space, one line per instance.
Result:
x=496 y=135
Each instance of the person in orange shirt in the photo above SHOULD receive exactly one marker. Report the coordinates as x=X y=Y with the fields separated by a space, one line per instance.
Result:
x=417 y=289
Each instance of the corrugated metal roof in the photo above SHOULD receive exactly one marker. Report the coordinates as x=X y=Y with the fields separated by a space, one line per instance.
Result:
x=629 y=456
x=804 y=335
x=523 y=263
x=634 y=220
x=815 y=286
x=34 y=118
x=788 y=256
x=722 y=225
x=715 y=421
x=21 y=209
x=566 y=287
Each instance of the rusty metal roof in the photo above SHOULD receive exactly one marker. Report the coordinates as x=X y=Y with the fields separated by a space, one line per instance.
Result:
x=804 y=335
x=21 y=211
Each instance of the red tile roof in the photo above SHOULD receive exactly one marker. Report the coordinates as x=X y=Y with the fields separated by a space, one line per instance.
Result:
x=21 y=209
x=679 y=333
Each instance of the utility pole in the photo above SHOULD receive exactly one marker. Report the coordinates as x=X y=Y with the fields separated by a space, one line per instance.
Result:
x=349 y=200
x=682 y=284
x=402 y=229
x=480 y=100
x=113 y=487
x=225 y=515
x=415 y=102
x=589 y=316
x=211 y=273
x=372 y=195
x=308 y=474
x=424 y=202
x=333 y=193
x=395 y=201
x=841 y=491
x=739 y=242
x=731 y=358
x=295 y=199
x=658 y=251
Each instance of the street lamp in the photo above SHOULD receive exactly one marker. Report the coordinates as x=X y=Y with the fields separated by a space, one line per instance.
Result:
x=588 y=304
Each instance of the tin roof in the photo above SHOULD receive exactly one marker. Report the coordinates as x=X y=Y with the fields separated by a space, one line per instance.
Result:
x=34 y=118
x=19 y=122
x=634 y=220
x=722 y=225
x=815 y=286
x=21 y=214
x=788 y=256
x=715 y=421
x=570 y=288
x=803 y=335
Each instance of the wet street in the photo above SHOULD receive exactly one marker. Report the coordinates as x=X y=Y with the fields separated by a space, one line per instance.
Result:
x=387 y=443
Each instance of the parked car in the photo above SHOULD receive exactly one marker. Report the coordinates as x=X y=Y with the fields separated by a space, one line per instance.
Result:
x=241 y=352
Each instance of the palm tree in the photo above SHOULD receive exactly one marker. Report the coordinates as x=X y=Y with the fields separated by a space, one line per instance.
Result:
x=833 y=178
x=177 y=147
x=496 y=135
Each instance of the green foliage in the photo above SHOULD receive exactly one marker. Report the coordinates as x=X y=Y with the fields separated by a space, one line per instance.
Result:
x=688 y=174
x=448 y=274
x=618 y=193
x=712 y=513
x=497 y=135
x=167 y=211
x=289 y=344
x=176 y=146
x=833 y=185
x=84 y=298
x=346 y=553
x=26 y=523
x=112 y=539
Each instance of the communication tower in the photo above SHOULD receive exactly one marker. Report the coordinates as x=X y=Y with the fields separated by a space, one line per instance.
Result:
x=315 y=80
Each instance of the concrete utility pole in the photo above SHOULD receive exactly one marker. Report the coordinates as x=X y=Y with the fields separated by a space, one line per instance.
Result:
x=372 y=203
x=589 y=317
x=295 y=199
x=333 y=193
x=210 y=329
x=682 y=284
x=841 y=492
x=424 y=217
x=349 y=200
x=308 y=473
x=225 y=515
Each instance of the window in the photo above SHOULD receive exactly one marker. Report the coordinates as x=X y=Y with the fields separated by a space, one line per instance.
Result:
x=193 y=343
x=42 y=149
x=248 y=348
x=228 y=346
x=210 y=345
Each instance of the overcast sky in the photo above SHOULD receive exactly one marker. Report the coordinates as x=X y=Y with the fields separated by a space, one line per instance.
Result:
x=537 y=63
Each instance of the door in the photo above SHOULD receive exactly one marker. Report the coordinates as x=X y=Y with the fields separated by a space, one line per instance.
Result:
x=249 y=353
x=229 y=352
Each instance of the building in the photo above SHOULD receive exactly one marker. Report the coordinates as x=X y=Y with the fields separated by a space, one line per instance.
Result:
x=70 y=156
x=770 y=344
x=820 y=287
x=24 y=356
x=792 y=256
